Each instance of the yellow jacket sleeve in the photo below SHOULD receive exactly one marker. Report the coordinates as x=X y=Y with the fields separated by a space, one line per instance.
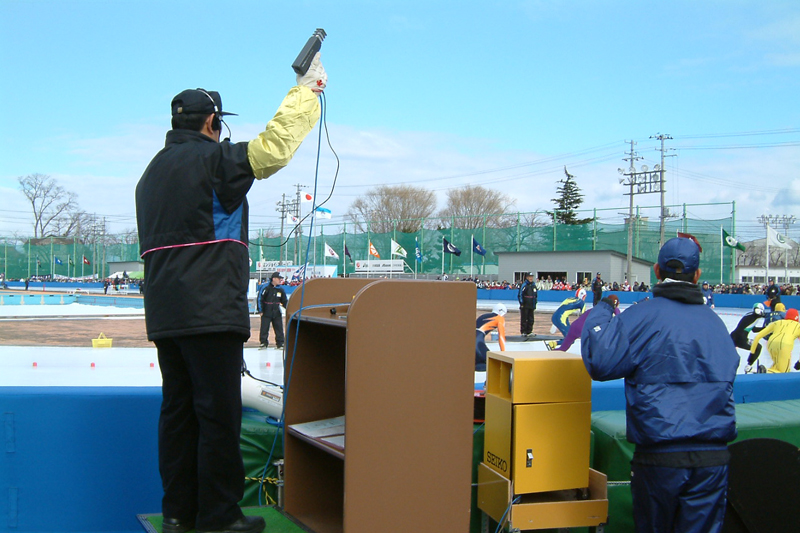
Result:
x=761 y=334
x=275 y=146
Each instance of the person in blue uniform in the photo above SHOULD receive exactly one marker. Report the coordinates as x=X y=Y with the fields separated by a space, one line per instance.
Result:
x=576 y=328
x=574 y=305
x=678 y=362
x=708 y=294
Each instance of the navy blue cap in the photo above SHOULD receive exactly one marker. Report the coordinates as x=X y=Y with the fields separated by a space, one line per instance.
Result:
x=198 y=101
x=679 y=249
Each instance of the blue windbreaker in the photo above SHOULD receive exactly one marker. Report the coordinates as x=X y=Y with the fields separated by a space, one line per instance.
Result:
x=679 y=363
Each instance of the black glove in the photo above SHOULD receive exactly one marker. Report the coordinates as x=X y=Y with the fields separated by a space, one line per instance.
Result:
x=797 y=365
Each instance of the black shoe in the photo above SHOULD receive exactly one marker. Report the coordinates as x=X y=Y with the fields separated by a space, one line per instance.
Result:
x=280 y=346
x=174 y=525
x=797 y=365
x=246 y=524
x=762 y=369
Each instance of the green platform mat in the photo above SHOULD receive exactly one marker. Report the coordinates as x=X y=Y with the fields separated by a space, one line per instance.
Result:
x=276 y=521
x=613 y=453
x=769 y=420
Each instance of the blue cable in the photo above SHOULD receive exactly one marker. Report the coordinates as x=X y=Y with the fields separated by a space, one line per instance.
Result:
x=298 y=313
x=502 y=518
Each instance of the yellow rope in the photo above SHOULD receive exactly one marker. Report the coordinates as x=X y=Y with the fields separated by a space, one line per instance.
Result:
x=263 y=486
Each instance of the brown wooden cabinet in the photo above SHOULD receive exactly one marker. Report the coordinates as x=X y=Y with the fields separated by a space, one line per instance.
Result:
x=395 y=358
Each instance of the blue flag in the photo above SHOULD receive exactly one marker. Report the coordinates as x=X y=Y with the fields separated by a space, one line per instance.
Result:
x=58 y=261
x=300 y=273
x=449 y=248
x=477 y=248
x=417 y=251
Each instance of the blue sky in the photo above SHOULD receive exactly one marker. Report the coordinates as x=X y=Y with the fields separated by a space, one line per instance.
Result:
x=434 y=94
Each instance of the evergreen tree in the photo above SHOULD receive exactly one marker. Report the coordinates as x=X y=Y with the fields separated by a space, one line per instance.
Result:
x=569 y=199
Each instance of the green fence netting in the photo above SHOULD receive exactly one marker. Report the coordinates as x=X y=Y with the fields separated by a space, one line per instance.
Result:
x=69 y=258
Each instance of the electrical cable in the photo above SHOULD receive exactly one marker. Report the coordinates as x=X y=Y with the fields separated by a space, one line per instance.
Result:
x=246 y=372
x=298 y=313
x=502 y=518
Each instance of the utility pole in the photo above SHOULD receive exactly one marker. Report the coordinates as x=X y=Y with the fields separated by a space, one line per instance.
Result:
x=662 y=137
x=632 y=157
x=285 y=207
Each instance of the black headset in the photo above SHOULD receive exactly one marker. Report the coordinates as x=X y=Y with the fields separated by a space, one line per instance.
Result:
x=215 y=123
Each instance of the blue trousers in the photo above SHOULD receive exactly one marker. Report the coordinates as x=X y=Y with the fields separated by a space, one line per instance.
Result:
x=678 y=500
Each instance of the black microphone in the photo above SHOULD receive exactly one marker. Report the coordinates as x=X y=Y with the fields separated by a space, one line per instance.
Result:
x=308 y=52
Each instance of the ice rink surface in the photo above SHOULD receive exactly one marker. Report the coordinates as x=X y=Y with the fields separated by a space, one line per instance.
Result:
x=138 y=367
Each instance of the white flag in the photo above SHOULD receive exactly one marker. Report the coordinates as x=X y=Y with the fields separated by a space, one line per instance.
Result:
x=291 y=219
x=397 y=249
x=307 y=197
x=321 y=212
x=776 y=239
x=330 y=252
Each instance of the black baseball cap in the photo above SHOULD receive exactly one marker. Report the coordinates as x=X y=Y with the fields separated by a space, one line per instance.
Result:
x=198 y=101
x=275 y=275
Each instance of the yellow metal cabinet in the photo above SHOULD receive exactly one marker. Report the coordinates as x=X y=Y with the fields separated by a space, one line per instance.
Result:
x=538 y=418
x=536 y=443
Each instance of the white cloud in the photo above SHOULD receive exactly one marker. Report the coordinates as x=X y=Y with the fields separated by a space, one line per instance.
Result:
x=104 y=171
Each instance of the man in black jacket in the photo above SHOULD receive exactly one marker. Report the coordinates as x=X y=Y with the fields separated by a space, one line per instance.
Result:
x=191 y=211
x=527 y=297
x=272 y=298
x=597 y=289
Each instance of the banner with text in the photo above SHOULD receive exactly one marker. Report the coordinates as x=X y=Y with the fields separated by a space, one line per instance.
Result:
x=380 y=266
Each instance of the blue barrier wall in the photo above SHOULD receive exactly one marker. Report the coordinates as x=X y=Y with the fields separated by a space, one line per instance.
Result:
x=79 y=458
x=747 y=388
x=26 y=298
x=86 y=458
x=743 y=301
x=60 y=285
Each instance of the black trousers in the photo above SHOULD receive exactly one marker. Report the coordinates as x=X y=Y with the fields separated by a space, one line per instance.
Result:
x=277 y=326
x=199 y=457
x=526 y=320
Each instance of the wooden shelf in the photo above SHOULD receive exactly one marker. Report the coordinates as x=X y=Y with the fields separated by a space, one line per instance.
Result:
x=403 y=381
x=324 y=434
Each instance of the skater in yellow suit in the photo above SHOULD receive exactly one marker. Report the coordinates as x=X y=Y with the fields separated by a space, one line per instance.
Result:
x=784 y=333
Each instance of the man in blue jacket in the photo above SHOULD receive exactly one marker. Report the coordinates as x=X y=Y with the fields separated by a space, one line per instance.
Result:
x=679 y=363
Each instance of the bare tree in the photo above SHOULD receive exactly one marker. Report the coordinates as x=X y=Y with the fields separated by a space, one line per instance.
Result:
x=756 y=254
x=55 y=210
x=473 y=206
x=387 y=208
